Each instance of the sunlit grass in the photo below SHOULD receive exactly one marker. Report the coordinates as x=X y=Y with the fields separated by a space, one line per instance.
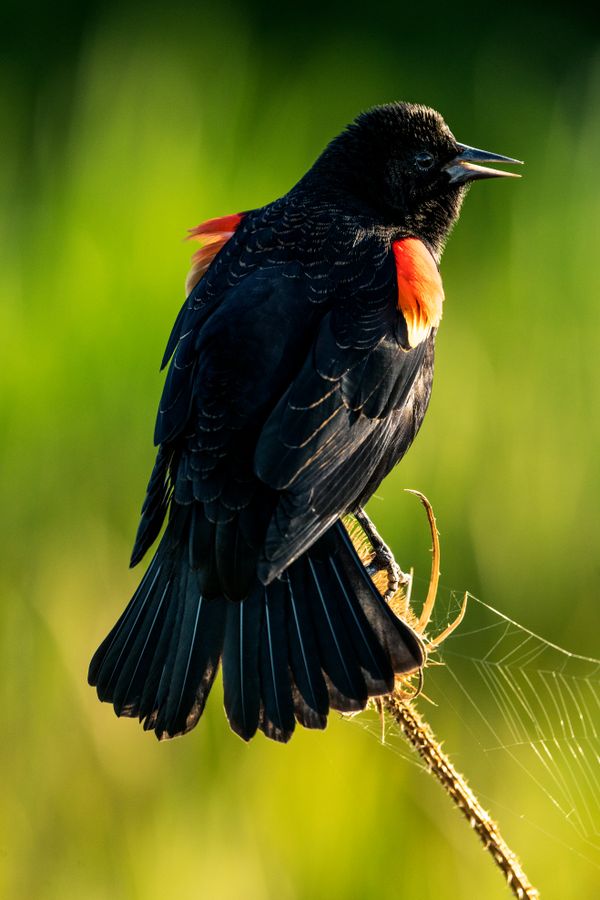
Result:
x=162 y=135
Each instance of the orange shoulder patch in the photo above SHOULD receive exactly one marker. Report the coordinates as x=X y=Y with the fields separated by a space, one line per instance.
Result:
x=420 y=290
x=212 y=236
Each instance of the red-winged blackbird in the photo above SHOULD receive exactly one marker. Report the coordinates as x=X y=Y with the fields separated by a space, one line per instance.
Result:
x=301 y=369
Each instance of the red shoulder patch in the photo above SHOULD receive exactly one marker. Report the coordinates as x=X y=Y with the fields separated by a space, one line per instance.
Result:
x=212 y=235
x=420 y=290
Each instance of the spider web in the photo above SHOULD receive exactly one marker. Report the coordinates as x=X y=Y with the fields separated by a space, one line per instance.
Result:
x=525 y=708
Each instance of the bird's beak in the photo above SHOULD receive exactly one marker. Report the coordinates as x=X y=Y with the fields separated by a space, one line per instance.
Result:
x=465 y=166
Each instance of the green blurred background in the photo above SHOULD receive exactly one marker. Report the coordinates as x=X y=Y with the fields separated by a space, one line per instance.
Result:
x=123 y=125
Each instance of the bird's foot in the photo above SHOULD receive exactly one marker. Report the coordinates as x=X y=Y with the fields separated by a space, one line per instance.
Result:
x=383 y=558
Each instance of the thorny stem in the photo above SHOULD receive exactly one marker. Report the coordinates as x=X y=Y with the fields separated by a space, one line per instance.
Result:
x=399 y=706
x=427 y=610
x=421 y=737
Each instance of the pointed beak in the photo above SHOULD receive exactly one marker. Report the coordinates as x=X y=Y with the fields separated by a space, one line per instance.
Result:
x=466 y=165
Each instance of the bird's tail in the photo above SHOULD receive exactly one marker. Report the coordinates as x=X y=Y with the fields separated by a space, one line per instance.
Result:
x=318 y=637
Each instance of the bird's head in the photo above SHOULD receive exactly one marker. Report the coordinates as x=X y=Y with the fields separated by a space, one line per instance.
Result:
x=402 y=161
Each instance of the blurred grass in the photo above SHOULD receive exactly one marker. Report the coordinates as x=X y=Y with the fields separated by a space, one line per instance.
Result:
x=164 y=122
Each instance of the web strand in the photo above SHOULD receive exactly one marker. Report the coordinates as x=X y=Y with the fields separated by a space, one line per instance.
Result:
x=521 y=697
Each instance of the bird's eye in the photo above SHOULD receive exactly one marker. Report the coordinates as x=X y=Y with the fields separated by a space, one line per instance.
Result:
x=424 y=160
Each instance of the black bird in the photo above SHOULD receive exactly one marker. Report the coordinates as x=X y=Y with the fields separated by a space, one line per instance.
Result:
x=300 y=370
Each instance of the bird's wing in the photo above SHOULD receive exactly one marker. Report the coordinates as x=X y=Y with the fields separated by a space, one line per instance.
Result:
x=329 y=432
x=216 y=250
x=214 y=256
x=239 y=340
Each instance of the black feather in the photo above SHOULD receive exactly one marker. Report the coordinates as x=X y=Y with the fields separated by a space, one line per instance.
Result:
x=176 y=400
x=175 y=334
x=311 y=700
x=236 y=564
x=400 y=643
x=106 y=665
x=375 y=665
x=204 y=659
x=160 y=660
x=129 y=684
x=178 y=635
x=202 y=554
x=155 y=506
x=241 y=682
x=277 y=714
x=338 y=657
x=198 y=654
x=159 y=671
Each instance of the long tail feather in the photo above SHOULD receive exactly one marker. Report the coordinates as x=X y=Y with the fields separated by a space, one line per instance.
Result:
x=241 y=682
x=277 y=719
x=160 y=660
x=311 y=699
x=319 y=637
x=105 y=663
x=338 y=656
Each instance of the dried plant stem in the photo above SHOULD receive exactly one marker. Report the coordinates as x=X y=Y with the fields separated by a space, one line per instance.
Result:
x=422 y=738
x=369 y=545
